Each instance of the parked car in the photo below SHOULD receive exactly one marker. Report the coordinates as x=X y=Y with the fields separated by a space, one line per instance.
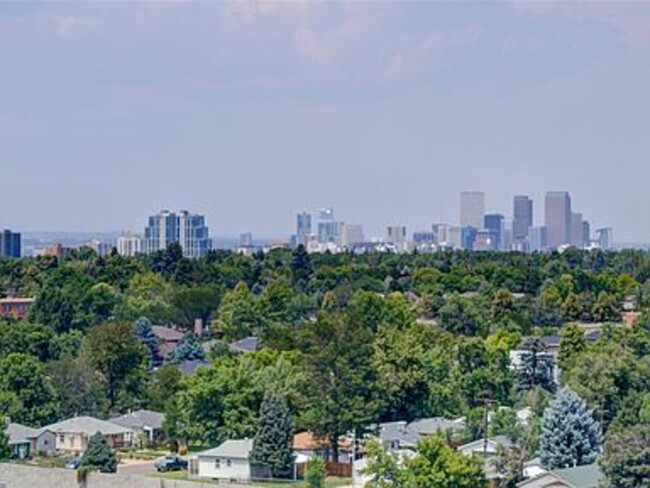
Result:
x=73 y=464
x=170 y=463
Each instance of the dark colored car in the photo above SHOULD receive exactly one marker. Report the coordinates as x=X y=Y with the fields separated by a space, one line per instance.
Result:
x=73 y=464
x=170 y=463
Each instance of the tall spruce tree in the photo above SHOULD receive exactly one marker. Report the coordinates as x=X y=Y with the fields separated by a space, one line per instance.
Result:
x=273 y=443
x=189 y=349
x=5 y=450
x=570 y=435
x=144 y=332
x=536 y=367
x=99 y=456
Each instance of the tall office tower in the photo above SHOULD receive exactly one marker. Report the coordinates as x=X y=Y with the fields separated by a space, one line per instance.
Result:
x=396 y=235
x=467 y=238
x=129 y=245
x=101 y=248
x=303 y=226
x=494 y=224
x=586 y=233
x=557 y=218
x=455 y=240
x=537 y=238
x=350 y=234
x=328 y=228
x=188 y=230
x=10 y=244
x=485 y=241
x=472 y=209
x=522 y=217
x=577 y=239
x=605 y=238
x=441 y=232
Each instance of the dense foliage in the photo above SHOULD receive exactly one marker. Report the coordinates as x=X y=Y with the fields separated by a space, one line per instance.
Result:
x=348 y=340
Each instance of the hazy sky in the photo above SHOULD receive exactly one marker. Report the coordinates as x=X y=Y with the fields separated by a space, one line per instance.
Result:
x=249 y=112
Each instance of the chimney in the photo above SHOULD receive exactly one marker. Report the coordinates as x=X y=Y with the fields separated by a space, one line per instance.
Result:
x=198 y=327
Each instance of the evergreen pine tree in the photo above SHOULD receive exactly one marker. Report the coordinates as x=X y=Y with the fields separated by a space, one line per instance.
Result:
x=536 y=367
x=301 y=266
x=5 y=450
x=188 y=349
x=273 y=444
x=570 y=435
x=99 y=456
x=144 y=332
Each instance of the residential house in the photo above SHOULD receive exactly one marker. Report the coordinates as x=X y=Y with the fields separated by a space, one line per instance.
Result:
x=400 y=435
x=189 y=367
x=486 y=448
x=308 y=445
x=589 y=476
x=230 y=461
x=26 y=442
x=242 y=346
x=534 y=468
x=72 y=435
x=15 y=308
x=146 y=425
x=169 y=339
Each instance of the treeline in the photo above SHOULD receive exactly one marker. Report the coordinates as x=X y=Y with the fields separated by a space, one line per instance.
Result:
x=348 y=340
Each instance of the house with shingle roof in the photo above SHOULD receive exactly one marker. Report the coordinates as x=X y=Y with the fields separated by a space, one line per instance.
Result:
x=588 y=476
x=26 y=442
x=72 y=435
x=228 y=461
x=146 y=424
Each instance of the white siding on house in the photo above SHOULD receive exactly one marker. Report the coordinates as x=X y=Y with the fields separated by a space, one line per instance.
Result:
x=224 y=468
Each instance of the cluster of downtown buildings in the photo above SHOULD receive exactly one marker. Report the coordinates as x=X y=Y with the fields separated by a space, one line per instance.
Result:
x=476 y=231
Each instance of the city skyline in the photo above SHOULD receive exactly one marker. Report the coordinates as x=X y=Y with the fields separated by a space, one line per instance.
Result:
x=246 y=112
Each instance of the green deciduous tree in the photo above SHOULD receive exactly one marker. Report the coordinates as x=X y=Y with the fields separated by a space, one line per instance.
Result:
x=573 y=343
x=315 y=473
x=5 y=449
x=24 y=377
x=626 y=457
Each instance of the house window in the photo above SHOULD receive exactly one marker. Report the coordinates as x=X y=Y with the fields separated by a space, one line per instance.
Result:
x=62 y=439
x=228 y=463
x=217 y=464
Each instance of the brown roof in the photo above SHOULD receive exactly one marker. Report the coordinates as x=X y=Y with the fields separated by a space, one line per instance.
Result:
x=167 y=334
x=305 y=441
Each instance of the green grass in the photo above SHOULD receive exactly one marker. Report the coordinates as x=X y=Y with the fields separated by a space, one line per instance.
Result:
x=329 y=483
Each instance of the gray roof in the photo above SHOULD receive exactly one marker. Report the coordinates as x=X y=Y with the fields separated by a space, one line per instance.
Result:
x=167 y=334
x=238 y=449
x=434 y=425
x=245 y=345
x=190 y=367
x=140 y=420
x=588 y=476
x=498 y=440
x=87 y=426
x=411 y=434
x=21 y=434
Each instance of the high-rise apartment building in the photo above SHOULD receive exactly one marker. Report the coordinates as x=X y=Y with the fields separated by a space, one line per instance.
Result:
x=303 y=225
x=472 y=209
x=10 y=244
x=522 y=217
x=350 y=234
x=188 y=230
x=586 y=233
x=537 y=239
x=494 y=224
x=557 y=219
x=129 y=245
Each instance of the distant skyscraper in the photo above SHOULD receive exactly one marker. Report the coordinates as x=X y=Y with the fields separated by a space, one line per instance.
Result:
x=537 y=239
x=557 y=218
x=455 y=237
x=188 y=230
x=303 y=225
x=472 y=209
x=467 y=238
x=396 y=235
x=350 y=234
x=328 y=228
x=577 y=239
x=605 y=238
x=246 y=239
x=494 y=224
x=441 y=232
x=129 y=245
x=101 y=248
x=586 y=233
x=10 y=244
x=522 y=217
